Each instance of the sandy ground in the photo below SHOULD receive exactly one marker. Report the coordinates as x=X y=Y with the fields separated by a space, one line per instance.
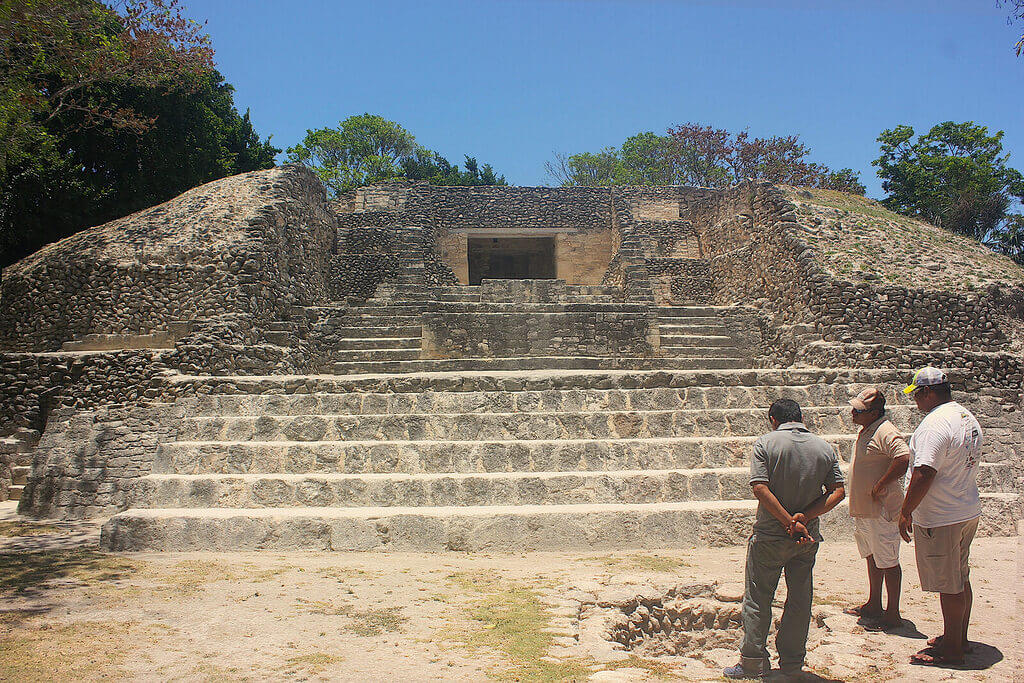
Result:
x=71 y=612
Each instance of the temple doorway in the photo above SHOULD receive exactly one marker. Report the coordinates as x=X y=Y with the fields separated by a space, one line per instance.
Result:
x=511 y=258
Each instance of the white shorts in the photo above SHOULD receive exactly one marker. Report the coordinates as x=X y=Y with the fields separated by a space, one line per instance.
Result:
x=878 y=537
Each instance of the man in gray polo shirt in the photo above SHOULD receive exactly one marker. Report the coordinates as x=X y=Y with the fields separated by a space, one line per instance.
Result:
x=795 y=477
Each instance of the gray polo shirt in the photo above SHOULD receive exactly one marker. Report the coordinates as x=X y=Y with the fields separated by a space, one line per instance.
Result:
x=797 y=466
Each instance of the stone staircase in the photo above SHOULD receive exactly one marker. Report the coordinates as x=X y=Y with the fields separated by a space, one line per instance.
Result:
x=485 y=461
x=701 y=333
x=384 y=335
x=16 y=459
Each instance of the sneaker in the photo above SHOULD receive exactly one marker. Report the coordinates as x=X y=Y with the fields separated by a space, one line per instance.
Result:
x=738 y=672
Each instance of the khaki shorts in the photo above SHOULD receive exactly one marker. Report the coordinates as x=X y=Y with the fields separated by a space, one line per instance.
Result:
x=879 y=538
x=943 y=555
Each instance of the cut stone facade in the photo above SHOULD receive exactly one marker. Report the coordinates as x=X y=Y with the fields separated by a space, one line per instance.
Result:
x=253 y=366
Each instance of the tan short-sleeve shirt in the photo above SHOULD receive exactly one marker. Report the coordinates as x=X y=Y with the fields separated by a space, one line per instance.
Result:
x=877 y=446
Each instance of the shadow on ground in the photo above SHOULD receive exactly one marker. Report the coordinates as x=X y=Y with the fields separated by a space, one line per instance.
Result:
x=29 y=573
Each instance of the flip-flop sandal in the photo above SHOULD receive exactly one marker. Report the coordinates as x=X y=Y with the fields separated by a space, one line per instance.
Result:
x=853 y=611
x=925 y=658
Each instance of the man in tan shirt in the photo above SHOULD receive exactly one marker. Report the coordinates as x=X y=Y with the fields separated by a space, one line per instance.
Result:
x=880 y=459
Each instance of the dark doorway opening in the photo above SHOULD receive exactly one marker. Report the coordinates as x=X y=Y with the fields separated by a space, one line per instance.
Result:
x=511 y=258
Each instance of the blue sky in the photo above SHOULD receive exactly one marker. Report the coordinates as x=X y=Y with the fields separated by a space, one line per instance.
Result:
x=514 y=81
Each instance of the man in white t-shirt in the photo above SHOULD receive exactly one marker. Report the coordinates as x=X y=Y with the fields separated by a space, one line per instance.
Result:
x=942 y=505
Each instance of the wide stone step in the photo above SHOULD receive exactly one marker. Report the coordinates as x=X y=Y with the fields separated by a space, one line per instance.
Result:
x=14 y=491
x=477 y=529
x=390 y=309
x=354 y=343
x=536 y=363
x=378 y=331
x=699 y=340
x=461 y=489
x=413 y=457
x=709 y=329
x=448 y=401
x=542 y=380
x=516 y=425
x=447 y=489
x=697 y=311
x=690 y=322
x=376 y=354
x=730 y=351
x=381 y=321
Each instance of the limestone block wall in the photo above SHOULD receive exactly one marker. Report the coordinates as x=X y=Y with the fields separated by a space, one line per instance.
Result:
x=255 y=243
x=87 y=461
x=525 y=318
x=455 y=333
x=757 y=255
x=33 y=385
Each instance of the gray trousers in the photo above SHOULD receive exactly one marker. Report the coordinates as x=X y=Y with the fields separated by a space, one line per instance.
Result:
x=767 y=557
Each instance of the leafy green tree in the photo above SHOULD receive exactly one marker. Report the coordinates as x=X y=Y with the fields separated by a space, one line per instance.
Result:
x=587 y=169
x=955 y=176
x=89 y=174
x=704 y=156
x=844 y=180
x=430 y=166
x=647 y=159
x=362 y=150
x=1009 y=238
x=53 y=54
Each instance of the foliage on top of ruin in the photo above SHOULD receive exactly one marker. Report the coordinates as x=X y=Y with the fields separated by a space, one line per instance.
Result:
x=201 y=226
x=862 y=240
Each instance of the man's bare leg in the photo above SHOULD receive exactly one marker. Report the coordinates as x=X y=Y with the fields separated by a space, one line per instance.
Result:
x=893 y=584
x=872 y=609
x=969 y=600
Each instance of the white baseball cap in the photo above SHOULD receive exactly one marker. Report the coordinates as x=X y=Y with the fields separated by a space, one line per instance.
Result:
x=926 y=377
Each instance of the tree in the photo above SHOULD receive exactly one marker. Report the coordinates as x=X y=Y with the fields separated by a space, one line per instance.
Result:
x=844 y=180
x=704 y=156
x=955 y=176
x=362 y=150
x=1009 y=239
x=91 y=174
x=430 y=166
x=586 y=169
x=647 y=159
x=54 y=52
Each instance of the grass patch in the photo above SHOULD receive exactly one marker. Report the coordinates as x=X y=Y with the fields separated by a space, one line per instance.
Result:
x=314 y=662
x=22 y=528
x=516 y=623
x=369 y=622
x=846 y=202
x=324 y=607
x=345 y=573
x=657 y=669
x=649 y=563
x=83 y=651
x=373 y=622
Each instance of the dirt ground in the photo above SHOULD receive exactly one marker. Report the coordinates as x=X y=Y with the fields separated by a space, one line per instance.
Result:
x=68 y=611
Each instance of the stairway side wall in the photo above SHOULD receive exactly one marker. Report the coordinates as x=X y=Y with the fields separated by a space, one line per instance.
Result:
x=256 y=244
x=757 y=255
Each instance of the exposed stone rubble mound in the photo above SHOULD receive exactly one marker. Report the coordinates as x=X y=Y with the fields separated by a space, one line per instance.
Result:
x=322 y=375
x=698 y=627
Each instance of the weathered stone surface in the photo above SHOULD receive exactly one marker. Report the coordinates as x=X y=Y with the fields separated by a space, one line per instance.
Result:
x=614 y=409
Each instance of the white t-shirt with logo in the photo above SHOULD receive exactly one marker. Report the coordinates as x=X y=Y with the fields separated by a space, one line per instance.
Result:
x=949 y=441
